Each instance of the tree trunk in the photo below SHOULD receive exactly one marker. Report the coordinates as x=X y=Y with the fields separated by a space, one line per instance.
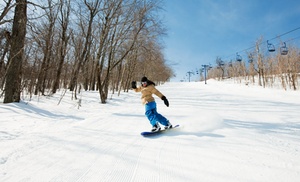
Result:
x=13 y=76
x=64 y=43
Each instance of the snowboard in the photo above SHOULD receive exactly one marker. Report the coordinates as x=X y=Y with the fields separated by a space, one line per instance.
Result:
x=153 y=133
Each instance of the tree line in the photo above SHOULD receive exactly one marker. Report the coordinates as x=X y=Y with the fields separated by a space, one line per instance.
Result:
x=81 y=44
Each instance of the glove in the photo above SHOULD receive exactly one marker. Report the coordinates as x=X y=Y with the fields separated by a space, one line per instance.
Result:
x=133 y=84
x=165 y=100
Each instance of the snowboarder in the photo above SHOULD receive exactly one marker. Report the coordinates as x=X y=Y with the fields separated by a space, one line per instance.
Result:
x=147 y=89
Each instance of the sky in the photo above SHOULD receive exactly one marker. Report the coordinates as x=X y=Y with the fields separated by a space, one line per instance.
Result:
x=199 y=31
x=235 y=134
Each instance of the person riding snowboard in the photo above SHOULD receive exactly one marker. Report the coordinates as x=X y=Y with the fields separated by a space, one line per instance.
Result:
x=147 y=89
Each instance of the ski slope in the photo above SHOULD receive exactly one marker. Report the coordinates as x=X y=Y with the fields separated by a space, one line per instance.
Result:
x=228 y=132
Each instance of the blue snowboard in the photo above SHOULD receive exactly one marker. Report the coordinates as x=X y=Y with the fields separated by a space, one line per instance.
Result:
x=153 y=133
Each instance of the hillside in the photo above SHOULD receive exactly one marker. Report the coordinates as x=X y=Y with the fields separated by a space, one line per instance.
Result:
x=227 y=132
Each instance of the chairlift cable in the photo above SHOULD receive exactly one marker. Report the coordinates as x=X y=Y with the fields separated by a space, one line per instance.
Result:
x=292 y=39
x=285 y=33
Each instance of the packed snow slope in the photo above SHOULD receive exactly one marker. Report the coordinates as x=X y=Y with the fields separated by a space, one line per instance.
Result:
x=228 y=132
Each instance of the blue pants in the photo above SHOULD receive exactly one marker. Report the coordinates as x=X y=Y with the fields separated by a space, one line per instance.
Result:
x=153 y=115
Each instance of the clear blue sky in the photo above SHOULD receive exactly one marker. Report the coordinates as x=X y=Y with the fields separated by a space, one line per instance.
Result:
x=199 y=31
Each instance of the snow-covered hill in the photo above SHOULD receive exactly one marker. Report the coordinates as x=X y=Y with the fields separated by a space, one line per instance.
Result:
x=228 y=132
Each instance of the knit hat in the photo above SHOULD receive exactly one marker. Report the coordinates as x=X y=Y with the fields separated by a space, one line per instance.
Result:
x=144 y=79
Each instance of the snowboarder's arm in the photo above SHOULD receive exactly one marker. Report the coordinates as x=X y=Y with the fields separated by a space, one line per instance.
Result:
x=165 y=100
x=137 y=89
x=160 y=95
x=156 y=92
x=133 y=86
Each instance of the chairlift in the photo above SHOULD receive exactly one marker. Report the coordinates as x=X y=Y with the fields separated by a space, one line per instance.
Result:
x=209 y=67
x=271 y=47
x=221 y=63
x=284 y=49
x=250 y=56
x=238 y=57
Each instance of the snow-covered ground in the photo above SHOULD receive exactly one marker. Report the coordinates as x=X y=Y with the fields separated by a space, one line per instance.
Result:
x=228 y=132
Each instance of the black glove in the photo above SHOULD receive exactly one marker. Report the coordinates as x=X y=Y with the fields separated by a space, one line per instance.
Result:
x=133 y=84
x=165 y=100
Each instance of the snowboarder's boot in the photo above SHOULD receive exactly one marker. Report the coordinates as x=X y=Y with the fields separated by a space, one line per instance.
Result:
x=168 y=126
x=155 y=128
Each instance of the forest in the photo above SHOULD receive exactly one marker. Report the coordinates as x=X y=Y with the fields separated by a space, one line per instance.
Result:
x=77 y=45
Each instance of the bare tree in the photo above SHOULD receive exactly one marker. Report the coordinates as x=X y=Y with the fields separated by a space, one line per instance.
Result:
x=291 y=67
x=112 y=40
x=5 y=38
x=251 y=68
x=221 y=66
x=48 y=32
x=14 y=71
x=259 y=63
x=120 y=33
x=7 y=7
x=64 y=9
x=93 y=9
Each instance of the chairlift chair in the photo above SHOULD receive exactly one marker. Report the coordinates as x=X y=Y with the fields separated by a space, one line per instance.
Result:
x=250 y=56
x=284 y=49
x=221 y=63
x=271 y=47
x=209 y=66
x=238 y=57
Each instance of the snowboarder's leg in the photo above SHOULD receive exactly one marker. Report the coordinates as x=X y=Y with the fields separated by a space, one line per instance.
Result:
x=154 y=116
x=161 y=119
x=153 y=120
x=151 y=116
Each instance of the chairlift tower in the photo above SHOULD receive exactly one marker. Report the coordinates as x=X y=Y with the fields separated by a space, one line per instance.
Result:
x=206 y=68
x=189 y=73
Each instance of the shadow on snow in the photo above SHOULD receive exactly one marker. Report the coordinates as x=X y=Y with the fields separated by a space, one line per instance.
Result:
x=264 y=127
